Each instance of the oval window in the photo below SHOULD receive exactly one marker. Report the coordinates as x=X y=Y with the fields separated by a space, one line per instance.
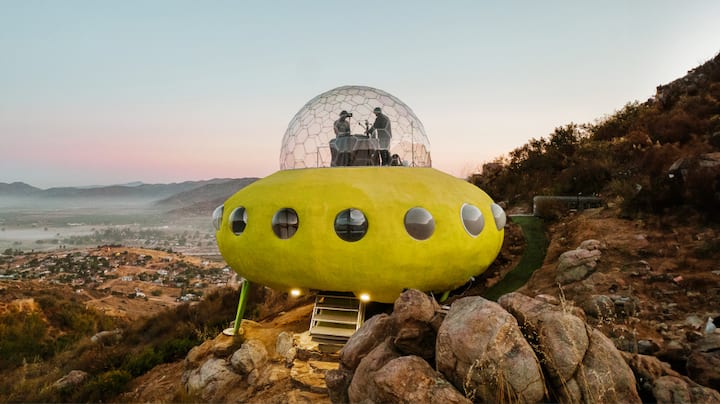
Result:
x=285 y=223
x=419 y=223
x=499 y=215
x=351 y=225
x=238 y=220
x=217 y=217
x=473 y=219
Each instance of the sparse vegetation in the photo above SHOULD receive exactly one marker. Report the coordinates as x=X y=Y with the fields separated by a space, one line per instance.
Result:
x=60 y=342
x=627 y=156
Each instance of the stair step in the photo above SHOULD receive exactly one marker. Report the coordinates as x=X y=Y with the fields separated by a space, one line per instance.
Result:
x=332 y=332
x=340 y=317
x=338 y=303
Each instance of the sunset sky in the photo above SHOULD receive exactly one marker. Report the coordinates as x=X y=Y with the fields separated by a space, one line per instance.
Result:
x=106 y=92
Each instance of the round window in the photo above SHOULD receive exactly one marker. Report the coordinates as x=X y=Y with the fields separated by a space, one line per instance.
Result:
x=285 y=223
x=351 y=225
x=419 y=223
x=238 y=220
x=499 y=215
x=473 y=219
x=217 y=217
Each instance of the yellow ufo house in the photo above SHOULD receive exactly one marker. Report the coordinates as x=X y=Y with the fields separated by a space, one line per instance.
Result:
x=334 y=219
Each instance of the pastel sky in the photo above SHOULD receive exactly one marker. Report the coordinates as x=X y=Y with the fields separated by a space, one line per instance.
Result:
x=107 y=92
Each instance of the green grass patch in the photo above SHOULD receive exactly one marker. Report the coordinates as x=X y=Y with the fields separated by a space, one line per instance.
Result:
x=536 y=244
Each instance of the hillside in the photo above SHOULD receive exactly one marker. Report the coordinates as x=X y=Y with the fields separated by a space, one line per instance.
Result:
x=202 y=200
x=17 y=189
x=656 y=157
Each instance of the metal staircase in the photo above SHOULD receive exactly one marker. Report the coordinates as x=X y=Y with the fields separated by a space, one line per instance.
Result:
x=335 y=318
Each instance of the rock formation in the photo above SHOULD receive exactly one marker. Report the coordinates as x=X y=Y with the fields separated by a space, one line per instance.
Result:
x=523 y=349
x=520 y=349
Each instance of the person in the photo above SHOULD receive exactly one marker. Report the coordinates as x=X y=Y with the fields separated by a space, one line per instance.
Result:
x=342 y=126
x=384 y=134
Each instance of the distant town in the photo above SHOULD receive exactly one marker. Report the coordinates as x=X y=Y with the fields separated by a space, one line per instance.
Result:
x=113 y=271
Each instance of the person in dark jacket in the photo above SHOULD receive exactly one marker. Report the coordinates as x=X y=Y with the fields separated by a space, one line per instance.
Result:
x=384 y=134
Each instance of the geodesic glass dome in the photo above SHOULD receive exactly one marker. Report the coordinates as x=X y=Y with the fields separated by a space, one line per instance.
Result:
x=306 y=140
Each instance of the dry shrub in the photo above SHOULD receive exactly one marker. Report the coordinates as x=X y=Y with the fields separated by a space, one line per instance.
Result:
x=703 y=190
x=657 y=160
x=675 y=126
x=587 y=178
x=700 y=107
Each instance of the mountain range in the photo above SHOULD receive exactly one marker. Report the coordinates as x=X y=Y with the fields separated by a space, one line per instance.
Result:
x=193 y=195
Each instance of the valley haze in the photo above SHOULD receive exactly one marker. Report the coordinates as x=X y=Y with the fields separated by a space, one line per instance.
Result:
x=175 y=215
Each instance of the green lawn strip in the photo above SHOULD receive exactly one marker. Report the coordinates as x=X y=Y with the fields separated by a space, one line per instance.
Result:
x=536 y=244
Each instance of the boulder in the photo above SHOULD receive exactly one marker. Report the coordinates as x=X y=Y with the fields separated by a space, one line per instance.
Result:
x=600 y=307
x=268 y=375
x=481 y=351
x=581 y=363
x=71 y=380
x=373 y=332
x=211 y=379
x=674 y=352
x=670 y=389
x=221 y=346
x=647 y=347
x=107 y=337
x=703 y=364
x=251 y=355
x=391 y=383
x=310 y=375
x=575 y=265
x=361 y=387
x=284 y=343
x=604 y=376
x=414 y=305
x=658 y=382
x=613 y=307
x=592 y=245
x=413 y=315
x=337 y=382
x=559 y=339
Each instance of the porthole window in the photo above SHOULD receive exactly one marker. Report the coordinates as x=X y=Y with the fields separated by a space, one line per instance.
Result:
x=351 y=225
x=419 y=223
x=238 y=220
x=285 y=223
x=472 y=219
x=499 y=215
x=217 y=217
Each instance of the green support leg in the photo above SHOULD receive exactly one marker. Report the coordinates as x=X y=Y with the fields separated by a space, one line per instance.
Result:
x=444 y=296
x=241 y=305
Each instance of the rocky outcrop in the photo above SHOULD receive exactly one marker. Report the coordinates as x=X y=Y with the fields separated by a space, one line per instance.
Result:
x=72 y=379
x=580 y=362
x=251 y=356
x=657 y=382
x=703 y=363
x=523 y=349
x=427 y=386
x=700 y=77
x=481 y=350
x=575 y=265
x=229 y=368
x=371 y=334
x=107 y=337
x=414 y=324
